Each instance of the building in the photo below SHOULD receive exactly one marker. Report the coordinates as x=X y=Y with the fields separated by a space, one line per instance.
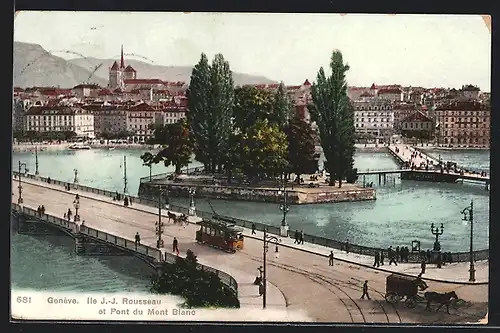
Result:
x=109 y=119
x=86 y=90
x=391 y=94
x=141 y=117
x=470 y=92
x=401 y=111
x=60 y=119
x=464 y=124
x=417 y=125
x=374 y=119
x=118 y=74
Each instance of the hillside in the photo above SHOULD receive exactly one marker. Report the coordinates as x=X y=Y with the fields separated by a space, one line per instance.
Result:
x=34 y=66
x=167 y=73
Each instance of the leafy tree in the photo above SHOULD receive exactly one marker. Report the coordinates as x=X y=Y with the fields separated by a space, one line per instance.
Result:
x=332 y=113
x=264 y=150
x=282 y=106
x=148 y=160
x=199 y=288
x=221 y=103
x=199 y=111
x=177 y=145
x=301 y=147
x=252 y=104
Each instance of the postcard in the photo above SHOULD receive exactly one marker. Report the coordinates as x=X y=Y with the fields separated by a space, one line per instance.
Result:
x=251 y=167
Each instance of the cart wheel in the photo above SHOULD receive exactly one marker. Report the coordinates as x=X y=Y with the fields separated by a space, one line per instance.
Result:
x=392 y=298
x=410 y=302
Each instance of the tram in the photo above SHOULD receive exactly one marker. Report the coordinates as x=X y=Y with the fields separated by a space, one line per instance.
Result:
x=220 y=234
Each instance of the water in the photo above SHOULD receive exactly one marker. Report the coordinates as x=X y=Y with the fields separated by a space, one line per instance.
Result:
x=403 y=211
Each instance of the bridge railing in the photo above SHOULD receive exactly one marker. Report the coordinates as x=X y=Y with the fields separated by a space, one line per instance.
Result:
x=141 y=249
x=330 y=243
x=160 y=176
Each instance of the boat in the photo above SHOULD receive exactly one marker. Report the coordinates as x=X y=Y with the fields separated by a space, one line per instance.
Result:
x=111 y=148
x=79 y=146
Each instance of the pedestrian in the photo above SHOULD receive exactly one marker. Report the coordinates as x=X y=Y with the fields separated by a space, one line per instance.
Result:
x=407 y=254
x=130 y=201
x=422 y=267
x=428 y=255
x=39 y=211
x=48 y=180
x=382 y=257
x=137 y=239
x=330 y=257
x=347 y=246
x=296 y=237
x=391 y=256
x=175 y=247
x=301 y=239
x=261 y=288
x=377 y=260
x=42 y=209
x=253 y=229
x=365 y=290
x=64 y=216
x=398 y=254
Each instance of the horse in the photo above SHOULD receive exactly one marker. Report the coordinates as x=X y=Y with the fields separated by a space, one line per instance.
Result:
x=442 y=299
x=172 y=216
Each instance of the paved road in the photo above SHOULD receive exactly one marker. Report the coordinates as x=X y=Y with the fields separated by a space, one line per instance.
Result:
x=307 y=283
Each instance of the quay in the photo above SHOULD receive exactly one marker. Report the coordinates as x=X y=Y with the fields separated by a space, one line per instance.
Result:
x=297 y=265
x=310 y=192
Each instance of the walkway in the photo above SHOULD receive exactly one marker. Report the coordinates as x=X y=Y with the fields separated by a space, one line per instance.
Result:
x=405 y=152
x=300 y=277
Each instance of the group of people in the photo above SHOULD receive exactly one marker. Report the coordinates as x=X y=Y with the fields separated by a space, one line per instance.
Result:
x=175 y=244
x=40 y=210
x=299 y=237
x=394 y=256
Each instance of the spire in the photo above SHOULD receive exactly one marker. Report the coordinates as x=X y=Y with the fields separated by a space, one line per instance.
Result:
x=122 y=62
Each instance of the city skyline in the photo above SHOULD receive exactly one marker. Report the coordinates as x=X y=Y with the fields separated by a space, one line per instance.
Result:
x=433 y=52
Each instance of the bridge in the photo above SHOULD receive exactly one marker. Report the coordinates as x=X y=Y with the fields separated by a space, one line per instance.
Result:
x=305 y=266
x=426 y=168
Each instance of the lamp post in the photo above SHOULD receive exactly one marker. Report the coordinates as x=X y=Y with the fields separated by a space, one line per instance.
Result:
x=468 y=213
x=76 y=204
x=284 y=207
x=20 y=186
x=192 y=207
x=36 y=161
x=436 y=232
x=266 y=240
x=125 y=189
x=159 y=224
x=75 y=180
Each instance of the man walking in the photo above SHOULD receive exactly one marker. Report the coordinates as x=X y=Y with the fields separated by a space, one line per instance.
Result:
x=391 y=256
x=175 y=247
x=301 y=239
x=296 y=237
x=330 y=257
x=137 y=240
x=398 y=254
x=377 y=259
x=253 y=229
x=365 y=290
x=382 y=257
x=422 y=267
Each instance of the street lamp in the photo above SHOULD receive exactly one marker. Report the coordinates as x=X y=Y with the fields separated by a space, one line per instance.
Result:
x=20 y=186
x=36 y=161
x=125 y=189
x=266 y=240
x=468 y=213
x=76 y=204
x=284 y=207
x=436 y=232
x=159 y=225
x=75 y=180
x=192 y=207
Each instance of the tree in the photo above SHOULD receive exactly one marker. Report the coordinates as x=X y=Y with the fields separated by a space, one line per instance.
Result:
x=282 y=106
x=264 y=150
x=221 y=104
x=333 y=114
x=301 y=147
x=199 y=111
x=252 y=104
x=148 y=160
x=199 y=288
x=177 y=147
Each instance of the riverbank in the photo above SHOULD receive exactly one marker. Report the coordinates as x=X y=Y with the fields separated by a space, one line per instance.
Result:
x=27 y=147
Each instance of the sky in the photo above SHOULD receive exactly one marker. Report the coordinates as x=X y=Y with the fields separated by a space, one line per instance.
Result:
x=416 y=50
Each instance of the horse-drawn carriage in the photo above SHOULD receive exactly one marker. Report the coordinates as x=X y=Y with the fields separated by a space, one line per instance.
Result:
x=399 y=287
x=219 y=234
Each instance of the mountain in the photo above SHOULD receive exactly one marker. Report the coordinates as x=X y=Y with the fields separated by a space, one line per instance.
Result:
x=34 y=66
x=153 y=71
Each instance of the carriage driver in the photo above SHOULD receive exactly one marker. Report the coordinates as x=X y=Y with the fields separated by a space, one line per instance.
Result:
x=420 y=283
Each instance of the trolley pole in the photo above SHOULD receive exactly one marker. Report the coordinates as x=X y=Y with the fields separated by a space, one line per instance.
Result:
x=20 y=186
x=36 y=161
x=468 y=213
x=266 y=239
x=159 y=224
x=125 y=189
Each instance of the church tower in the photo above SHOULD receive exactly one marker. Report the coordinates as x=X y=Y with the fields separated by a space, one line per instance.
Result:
x=118 y=73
